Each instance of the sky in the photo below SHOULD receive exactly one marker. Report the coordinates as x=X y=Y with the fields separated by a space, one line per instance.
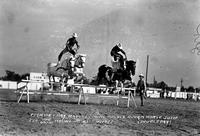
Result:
x=32 y=33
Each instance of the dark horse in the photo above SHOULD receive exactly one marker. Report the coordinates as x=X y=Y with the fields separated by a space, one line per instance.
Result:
x=120 y=75
x=104 y=75
x=127 y=73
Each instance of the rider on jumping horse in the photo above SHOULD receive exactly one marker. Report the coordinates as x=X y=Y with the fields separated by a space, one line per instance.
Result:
x=115 y=52
x=69 y=47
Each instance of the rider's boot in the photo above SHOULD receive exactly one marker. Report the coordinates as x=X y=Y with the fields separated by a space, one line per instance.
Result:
x=75 y=56
x=58 y=63
x=73 y=69
x=122 y=65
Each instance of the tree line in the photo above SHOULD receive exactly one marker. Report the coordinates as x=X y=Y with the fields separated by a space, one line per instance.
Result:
x=13 y=76
x=162 y=85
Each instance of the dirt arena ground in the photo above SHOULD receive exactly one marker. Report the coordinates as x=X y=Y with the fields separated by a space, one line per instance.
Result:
x=62 y=116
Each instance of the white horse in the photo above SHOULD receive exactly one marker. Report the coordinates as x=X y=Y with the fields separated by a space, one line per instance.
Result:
x=67 y=68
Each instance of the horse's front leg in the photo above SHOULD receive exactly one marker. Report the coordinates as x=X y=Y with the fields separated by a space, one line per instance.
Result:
x=122 y=87
x=116 y=83
x=63 y=81
x=116 y=86
x=49 y=79
x=50 y=83
x=54 y=79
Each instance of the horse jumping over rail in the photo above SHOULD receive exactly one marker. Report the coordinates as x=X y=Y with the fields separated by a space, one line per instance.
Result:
x=68 y=68
x=119 y=75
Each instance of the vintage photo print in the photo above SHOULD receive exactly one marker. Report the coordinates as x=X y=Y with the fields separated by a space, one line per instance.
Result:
x=99 y=67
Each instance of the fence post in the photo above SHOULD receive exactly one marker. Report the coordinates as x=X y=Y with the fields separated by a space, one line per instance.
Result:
x=83 y=94
x=27 y=94
x=185 y=94
x=131 y=95
x=128 y=98
x=165 y=93
x=118 y=98
x=195 y=95
x=52 y=84
x=62 y=86
x=175 y=95
x=79 y=98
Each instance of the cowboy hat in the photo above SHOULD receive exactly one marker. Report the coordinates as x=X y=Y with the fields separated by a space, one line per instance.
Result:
x=119 y=45
x=141 y=75
x=75 y=35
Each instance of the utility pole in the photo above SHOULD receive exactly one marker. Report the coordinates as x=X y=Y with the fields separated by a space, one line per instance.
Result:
x=147 y=68
x=181 y=82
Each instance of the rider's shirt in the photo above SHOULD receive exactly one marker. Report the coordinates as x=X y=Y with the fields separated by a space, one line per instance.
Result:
x=141 y=85
x=116 y=49
x=71 y=42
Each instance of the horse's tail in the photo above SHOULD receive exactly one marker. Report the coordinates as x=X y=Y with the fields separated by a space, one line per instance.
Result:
x=49 y=69
x=49 y=64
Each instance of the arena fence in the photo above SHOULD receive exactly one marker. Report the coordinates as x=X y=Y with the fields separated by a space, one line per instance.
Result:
x=76 y=89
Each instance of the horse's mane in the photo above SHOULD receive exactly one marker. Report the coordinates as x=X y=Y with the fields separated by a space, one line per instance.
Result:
x=131 y=65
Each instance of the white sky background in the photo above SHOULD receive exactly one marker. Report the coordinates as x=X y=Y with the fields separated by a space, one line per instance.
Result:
x=32 y=33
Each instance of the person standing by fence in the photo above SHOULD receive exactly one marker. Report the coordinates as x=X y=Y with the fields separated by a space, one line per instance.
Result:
x=141 y=88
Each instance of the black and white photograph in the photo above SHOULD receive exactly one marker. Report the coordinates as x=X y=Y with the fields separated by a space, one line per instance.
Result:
x=99 y=67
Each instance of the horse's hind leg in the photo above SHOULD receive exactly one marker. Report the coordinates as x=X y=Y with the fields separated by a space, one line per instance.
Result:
x=50 y=83
x=116 y=86
x=54 y=79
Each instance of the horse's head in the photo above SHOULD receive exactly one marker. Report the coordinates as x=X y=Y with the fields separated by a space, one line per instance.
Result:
x=131 y=66
x=80 y=61
x=104 y=74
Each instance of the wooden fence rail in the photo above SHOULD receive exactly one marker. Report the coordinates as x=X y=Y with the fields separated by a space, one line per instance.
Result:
x=25 y=90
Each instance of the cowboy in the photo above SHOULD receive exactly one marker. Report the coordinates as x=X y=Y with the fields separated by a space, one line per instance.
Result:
x=69 y=47
x=141 y=88
x=115 y=53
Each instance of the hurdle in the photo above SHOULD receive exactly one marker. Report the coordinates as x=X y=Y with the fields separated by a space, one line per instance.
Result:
x=25 y=90
x=118 y=97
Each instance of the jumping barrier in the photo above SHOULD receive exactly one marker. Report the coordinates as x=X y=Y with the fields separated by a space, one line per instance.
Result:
x=81 y=93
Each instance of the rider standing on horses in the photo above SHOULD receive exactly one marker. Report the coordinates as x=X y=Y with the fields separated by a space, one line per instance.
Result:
x=69 y=47
x=115 y=52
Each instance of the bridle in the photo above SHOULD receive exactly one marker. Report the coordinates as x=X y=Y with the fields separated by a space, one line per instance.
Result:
x=80 y=62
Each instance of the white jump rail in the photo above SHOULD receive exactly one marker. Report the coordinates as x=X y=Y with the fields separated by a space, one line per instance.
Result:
x=25 y=90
